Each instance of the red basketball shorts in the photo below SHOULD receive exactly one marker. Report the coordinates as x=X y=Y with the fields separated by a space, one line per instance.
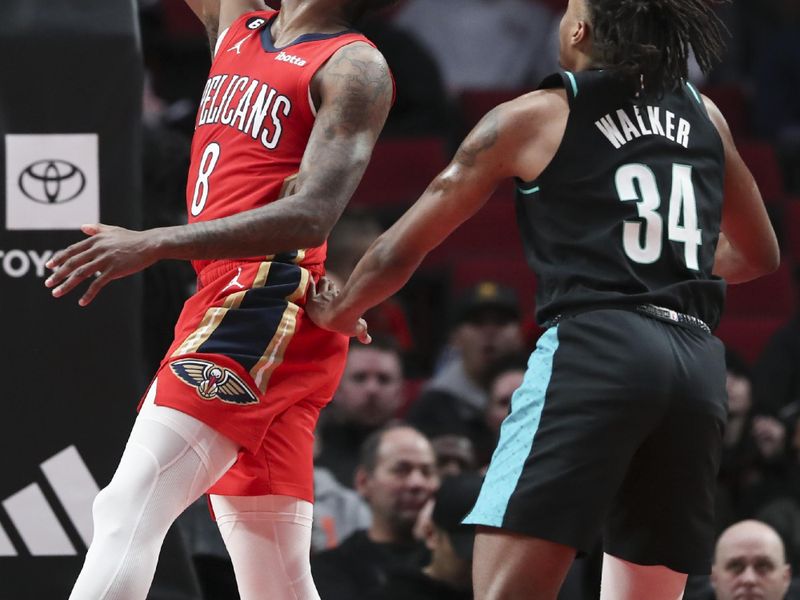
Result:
x=248 y=362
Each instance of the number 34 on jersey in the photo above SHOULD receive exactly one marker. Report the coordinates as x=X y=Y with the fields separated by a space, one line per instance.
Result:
x=643 y=239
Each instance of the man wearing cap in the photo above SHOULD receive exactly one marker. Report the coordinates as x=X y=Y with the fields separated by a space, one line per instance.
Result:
x=486 y=329
x=448 y=575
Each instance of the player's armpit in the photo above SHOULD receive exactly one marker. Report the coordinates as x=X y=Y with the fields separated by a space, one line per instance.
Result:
x=750 y=248
x=208 y=13
x=217 y=15
x=229 y=10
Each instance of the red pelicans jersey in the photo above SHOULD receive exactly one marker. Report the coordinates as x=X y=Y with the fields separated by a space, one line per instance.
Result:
x=254 y=121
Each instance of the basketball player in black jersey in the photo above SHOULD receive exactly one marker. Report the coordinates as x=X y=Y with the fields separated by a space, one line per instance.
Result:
x=634 y=208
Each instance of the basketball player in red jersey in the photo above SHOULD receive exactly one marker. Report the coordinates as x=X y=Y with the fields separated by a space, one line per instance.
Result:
x=294 y=103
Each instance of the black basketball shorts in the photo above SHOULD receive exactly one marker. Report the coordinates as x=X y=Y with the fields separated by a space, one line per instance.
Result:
x=617 y=428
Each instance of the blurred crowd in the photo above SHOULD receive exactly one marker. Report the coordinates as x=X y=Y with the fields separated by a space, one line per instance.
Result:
x=401 y=448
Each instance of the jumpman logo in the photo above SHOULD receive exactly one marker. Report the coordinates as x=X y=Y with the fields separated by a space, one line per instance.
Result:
x=238 y=45
x=235 y=281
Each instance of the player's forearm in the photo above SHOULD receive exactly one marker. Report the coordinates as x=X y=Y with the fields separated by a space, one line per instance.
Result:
x=379 y=275
x=283 y=226
x=733 y=266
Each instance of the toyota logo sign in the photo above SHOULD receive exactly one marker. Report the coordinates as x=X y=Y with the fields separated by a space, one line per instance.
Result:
x=51 y=181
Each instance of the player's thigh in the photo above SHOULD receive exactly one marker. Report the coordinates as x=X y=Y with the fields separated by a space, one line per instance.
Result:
x=511 y=566
x=575 y=423
x=664 y=513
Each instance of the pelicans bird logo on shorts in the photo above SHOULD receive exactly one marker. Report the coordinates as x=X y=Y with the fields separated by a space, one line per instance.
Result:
x=212 y=381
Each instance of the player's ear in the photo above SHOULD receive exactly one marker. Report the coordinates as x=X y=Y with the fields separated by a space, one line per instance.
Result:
x=581 y=34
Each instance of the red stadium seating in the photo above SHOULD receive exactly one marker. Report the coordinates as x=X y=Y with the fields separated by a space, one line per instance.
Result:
x=761 y=159
x=748 y=335
x=791 y=228
x=771 y=296
x=476 y=103
x=400 y=170
x=491 y=232
x=732 y=102
x=179 y=21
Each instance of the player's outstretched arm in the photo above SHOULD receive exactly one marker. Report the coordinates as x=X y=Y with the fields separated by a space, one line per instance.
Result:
x=217 y=15
x=355 y=93
x=489 y=154
x=747 y=248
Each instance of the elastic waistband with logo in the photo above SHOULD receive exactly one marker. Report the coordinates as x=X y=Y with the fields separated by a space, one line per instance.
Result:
x=651 y=310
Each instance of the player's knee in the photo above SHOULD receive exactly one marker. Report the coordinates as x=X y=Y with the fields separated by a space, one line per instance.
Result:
x=109 y=520
x=116 y=507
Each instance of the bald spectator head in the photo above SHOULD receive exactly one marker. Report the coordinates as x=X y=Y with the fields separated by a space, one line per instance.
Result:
x=396 y=476
x=750 y=563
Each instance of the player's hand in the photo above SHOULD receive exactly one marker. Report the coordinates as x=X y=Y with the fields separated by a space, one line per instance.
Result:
x=321 y=308
x=108 y=253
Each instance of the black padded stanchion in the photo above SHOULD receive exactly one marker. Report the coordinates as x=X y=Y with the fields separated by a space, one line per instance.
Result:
x=70 y=103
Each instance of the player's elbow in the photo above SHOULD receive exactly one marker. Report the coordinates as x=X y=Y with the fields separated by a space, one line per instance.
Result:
x=765 y=261
x=315 y=231
x=770 y=262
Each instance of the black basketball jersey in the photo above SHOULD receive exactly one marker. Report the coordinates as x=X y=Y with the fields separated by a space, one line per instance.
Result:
x=628 y=211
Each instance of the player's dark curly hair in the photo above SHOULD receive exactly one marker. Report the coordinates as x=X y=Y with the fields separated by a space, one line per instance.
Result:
x=648 y=42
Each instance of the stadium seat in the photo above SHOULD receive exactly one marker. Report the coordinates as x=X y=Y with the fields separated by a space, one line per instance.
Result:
x=476 y=103
x=179 y=21
x=492 y=232
x=732 y=102
x=791 y=229
x=748 y=335
x=770 y=296
x=761 y=159
x=400 y=170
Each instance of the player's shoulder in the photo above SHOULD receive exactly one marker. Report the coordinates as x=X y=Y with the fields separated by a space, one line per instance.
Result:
x=359 y=54
x=355 y=65
x=532 y=110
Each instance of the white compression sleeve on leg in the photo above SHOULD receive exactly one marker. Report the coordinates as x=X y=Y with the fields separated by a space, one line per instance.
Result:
x=269 y=540
x=623 y=580
x=171 y=459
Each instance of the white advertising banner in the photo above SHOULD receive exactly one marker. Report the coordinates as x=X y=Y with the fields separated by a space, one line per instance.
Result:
x=52 y=181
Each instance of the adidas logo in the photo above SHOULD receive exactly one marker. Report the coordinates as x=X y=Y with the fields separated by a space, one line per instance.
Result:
x=290 y=58
x=50 y=527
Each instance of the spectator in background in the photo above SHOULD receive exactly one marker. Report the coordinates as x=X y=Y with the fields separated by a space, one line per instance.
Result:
x=506 y=377
x=739 y=452
x=350 y=238
x=777 y=71
x=397 y=477
x=485 y=44
x=338 y=510
x=776 y=376
x=754 y=460
x=369 y=395
x=750 y=563
x=448 y=575
x=421 y=106
x=487 y=329
x=455 y=455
